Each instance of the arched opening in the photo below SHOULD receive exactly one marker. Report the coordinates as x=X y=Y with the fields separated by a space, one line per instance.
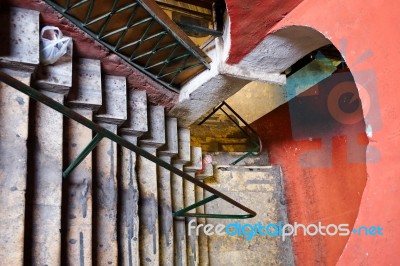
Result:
x=318 y=137
x=315 y=129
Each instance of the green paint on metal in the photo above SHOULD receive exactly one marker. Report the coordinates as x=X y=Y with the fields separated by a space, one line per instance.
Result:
x=185 y=211
x=255 y=139
x=83 y=155
x=251 y=152
x=310 y=75
x=137 y=37
x=194 y=206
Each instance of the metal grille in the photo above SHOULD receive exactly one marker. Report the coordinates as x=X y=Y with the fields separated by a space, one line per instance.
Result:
x=140 y=33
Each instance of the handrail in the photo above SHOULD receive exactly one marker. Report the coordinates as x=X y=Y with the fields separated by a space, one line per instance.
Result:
x=257 y=142
x=104 y=133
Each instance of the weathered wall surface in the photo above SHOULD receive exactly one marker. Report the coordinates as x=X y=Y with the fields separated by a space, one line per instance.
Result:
x=260 y=189
x=356 y=27
x=250 y=23
x=86 y=47
x=323 y=167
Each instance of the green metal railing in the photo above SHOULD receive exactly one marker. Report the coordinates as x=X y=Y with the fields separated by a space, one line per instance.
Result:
x=104 y=133
x=142 y=34
x=254 y=138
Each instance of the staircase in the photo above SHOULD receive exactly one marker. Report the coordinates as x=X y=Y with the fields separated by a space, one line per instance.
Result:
x=113 y=200
x=109 y=207
x=220 y=134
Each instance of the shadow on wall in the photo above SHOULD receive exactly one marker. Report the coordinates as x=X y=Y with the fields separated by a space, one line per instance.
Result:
x=319 y=140
x=5 y=30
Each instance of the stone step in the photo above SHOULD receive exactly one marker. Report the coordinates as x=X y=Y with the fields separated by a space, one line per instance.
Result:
x=58 y=76
x=192 y=245
x=208 y=171
x=14 y=108
x=183 y=156
x=105 y=221
x=84 y=98
x=20 y=38
x=46 y=177
x=196 y=162
x=224 y=141
x=248 y=178
x=128 y=193
x=225 y=158
x=260 y=188
x=221 y=131
x=105 y=191
x=155 y=136
x=137 y=122
x=166 y=238
x=213 y=143
x=79 y=193
x=229 y=148
x=148 y=211
x=105 y=195
x=87 y=85
x=180 y=257
x=164 y=193
x=135 y=125
x=114 y=108
x=202 y=238
x=171 y=147
x=189 y=198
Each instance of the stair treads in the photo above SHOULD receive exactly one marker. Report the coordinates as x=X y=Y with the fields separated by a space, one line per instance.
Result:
x=46 y=185
x=14 y=108
x=78 y=195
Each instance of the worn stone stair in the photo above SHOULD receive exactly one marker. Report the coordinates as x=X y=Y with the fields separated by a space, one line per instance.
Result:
x=114 y=208
x=220 y=134
x=182 y=158
x=18 y=57
x=105 y=165
x=166 y=222
x=261 y=188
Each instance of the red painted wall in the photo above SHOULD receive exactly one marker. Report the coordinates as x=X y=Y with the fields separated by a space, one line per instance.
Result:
x=373 y=26
x=251 y=21
x=329 y=193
